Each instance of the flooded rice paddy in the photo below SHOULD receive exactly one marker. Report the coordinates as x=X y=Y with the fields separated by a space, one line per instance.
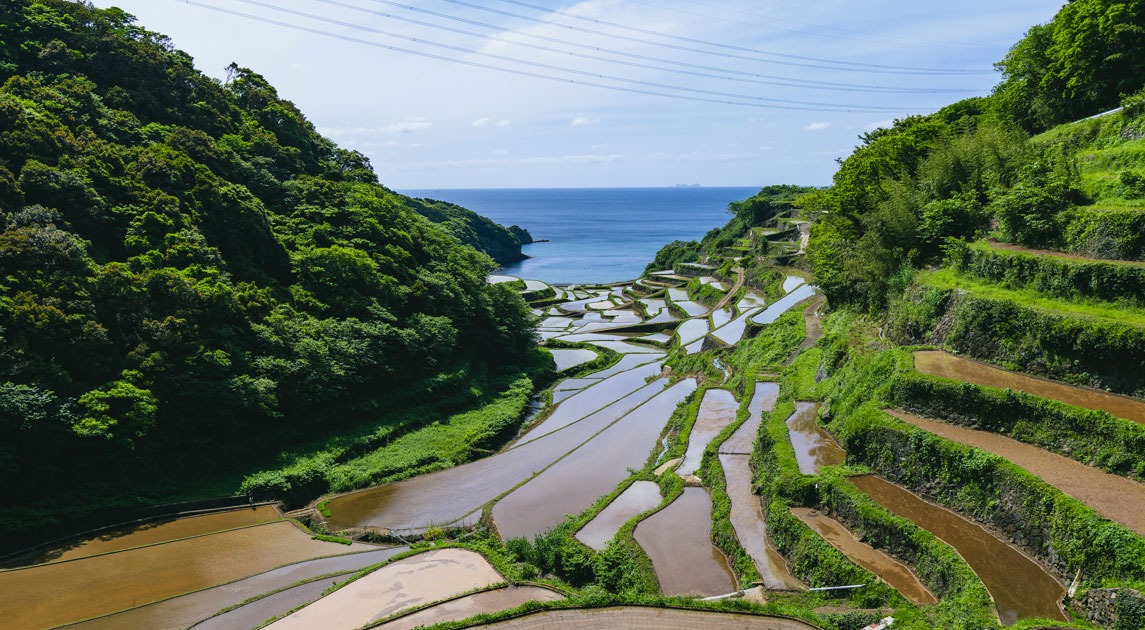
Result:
x=946 y=365
x=62 y=592
x=748 y=522
x=692 y=330
x=784 y=304
x=678 y=541
x=722 y=316
x=790 y=283
x=187 y=610
x=429 y=577
x=647 y=618
x=742 y=441
x=732 y=332
x=813 y=446
x=149 y=533
x=693 y=309
x=445 y=496
x=475 y=604
x=572 y=484
x=1021 y=588
x=639 y=497
x=1116 y=498
x=717 y=411
x=569 y=358
x=890 y=570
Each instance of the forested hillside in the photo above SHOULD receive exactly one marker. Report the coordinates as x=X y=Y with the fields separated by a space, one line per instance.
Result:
x=187 y=269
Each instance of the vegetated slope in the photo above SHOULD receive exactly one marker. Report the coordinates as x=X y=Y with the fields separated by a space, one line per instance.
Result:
x=187 y=269
x=503 y=244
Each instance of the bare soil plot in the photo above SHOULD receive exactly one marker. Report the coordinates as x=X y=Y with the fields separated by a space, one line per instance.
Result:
x=465 y=607
x=646 y=618
x=1116 y=498
x=149 y=534
x=1021 y=588
x=678 y=541
x=813 y=446
x=890 y=570
x=432 y=576
x=190 y=609
x=946 y=365
x=62 y=592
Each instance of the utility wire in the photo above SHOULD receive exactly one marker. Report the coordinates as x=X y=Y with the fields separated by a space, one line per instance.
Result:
x=749 y=77
x=803 y=63
x=545 y=66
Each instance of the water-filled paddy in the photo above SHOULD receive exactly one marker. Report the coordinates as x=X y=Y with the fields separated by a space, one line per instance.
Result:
x=575 y=482
x=722 y=316
x=717 y=410
x=1116 y=498
x=748 y=521
x=946 y=365
x=692 y=330
x=639 y=497
x=678 y=541
x=626 y=362
x=475 y=604
x=61 y=592
x=445 y=496
x=693 y=309
x=421 y=579
x=647 y=618
x=784 y=304
x=742 y=440
x=149 y=533
x=570 y=358
x=890 y=570
x=732 y=332
x=1019 y=586
x=790 y=283
x=813 y=446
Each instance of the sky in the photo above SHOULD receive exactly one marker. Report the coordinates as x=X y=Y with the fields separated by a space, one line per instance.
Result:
x=602 y=93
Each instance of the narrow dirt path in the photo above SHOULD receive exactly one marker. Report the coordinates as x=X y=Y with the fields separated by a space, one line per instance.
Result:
x=732 y=291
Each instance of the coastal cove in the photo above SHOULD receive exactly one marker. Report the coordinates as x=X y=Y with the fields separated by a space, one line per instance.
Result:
x=596 y=235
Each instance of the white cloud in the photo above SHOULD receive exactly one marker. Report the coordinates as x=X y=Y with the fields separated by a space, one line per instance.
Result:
x=497 y=153
x=503 y=123
x=882 y=124
x=818 y=126
x=481 y=122
x=767 y=147
x=584 y=120
x=410 y=123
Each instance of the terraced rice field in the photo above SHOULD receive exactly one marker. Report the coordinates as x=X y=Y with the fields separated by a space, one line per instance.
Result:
x=813 y=446
x=946 y=365
x=639 y=497
x=1116 y=498
x=678 y=541
x=566 y=359
x=572 y=484
x=717 y=411
x=784 y=304
x=422 y=579
x=1021 y=588
x=890 y=570
x=647 y=618
x=465 y=607
x=61 y=592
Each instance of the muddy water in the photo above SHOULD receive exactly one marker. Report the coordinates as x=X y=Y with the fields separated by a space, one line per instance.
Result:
x=62 y=592
x=1116 y=498
x=814 y=447
x=465 y=607
x=646 y=618
x=149 y=534
x=639 y=497
x=678 y=541
x=593 y=397
x=781 y=306
x=1019 y=586
x=717 y=411
x=444 y=496
x=750 y=527
x=763 y=401
x=890 y=570
x=421 y=579
x=946 y=365
x=570 y=358
x=575 y=482
x=181 y=612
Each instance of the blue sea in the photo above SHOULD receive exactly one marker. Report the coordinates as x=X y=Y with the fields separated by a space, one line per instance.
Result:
x=596 y=235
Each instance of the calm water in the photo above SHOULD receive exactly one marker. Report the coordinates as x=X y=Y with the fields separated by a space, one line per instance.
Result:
x=596 y=234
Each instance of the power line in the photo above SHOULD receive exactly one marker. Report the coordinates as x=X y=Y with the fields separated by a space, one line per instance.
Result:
x=739 y=98
x=740 y=76
x=848 y=66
